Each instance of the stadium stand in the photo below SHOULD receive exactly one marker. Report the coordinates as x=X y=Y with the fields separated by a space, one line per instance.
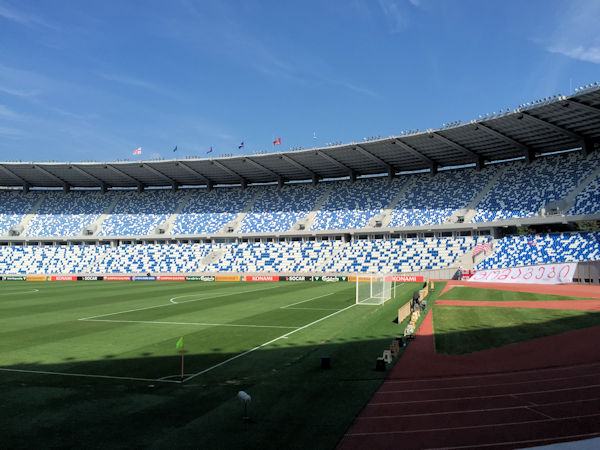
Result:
x=389 y=256
x=588 y=200
x=277 y=209
x=408 y=200
x=208 y=212
x=524 y=190
x=139 y=213
x=66 y=214
x=431 y=200
x=352 y=205
x=14 y=206
x=514 y=251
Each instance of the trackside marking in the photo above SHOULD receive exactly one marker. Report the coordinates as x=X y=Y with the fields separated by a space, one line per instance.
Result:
x=189 y=323
x=514 y=394
x=463 y=411
x=501 y=374
x=304 y=301
x=476 y=386
x=489 y=425
x=84 y=375
x=512 y=443
x=171 y=304
x=19 y=293
x=265 y=344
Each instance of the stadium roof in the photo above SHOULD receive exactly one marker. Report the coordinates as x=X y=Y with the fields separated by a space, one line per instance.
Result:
x=553 y=124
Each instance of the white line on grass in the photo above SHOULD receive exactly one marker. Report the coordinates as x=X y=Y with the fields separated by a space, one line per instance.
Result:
x=266 y=343
x=317 y=309
x=189 y=323
x=85 y=375
x=17 y=293
x=304 y=301
x=171 y=304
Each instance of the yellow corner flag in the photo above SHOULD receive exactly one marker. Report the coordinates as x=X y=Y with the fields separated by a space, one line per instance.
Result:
x=179 y=344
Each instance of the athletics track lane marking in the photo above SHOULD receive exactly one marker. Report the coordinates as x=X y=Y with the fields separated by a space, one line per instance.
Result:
x=489 y=425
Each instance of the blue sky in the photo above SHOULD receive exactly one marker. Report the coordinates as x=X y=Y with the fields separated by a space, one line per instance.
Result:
x=86 y=81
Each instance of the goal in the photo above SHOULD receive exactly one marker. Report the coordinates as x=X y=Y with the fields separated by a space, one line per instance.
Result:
x=373 y=289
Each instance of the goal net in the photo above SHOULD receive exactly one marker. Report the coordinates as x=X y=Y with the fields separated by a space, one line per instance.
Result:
x=373 y=289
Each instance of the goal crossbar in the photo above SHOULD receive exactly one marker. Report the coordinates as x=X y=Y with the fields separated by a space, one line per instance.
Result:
x=373 y=289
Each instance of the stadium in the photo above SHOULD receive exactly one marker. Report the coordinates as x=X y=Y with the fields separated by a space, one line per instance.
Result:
x=282 y=275
x=290 y=225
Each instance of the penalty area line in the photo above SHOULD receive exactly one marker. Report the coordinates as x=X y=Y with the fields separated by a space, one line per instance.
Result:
x=86 y=375
x=265 y=344
x=19 y=293
x=304 y=301
x=173 y=303
x=190 y=323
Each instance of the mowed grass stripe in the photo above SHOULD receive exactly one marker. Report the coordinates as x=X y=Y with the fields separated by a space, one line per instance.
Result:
x=63 y=342
x=259 y=307
x=283 y=378
x=484 y=294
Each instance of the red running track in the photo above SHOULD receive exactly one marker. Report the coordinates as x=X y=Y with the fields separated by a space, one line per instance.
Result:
x=527 y=394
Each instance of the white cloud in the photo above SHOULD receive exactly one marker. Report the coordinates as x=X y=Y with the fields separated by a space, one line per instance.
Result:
x=135 y=82
x=7 y=113
x=589 y=54
x=8 y=13
x=10 y=132
x=18 y=92
x=575 y=34
x=393 y=12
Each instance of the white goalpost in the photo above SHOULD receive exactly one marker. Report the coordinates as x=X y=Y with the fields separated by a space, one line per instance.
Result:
x=373 y=289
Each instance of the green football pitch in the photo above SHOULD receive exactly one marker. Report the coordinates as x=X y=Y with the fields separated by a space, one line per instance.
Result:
x=94 y=364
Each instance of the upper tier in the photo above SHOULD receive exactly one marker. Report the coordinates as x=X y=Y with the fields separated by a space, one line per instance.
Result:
x=567 y=182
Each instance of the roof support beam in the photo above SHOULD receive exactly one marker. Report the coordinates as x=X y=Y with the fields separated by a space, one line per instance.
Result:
x=478 y=159
x=527 y=152
x=233 y=173
x=350 y=171
x=376 y=159
x=65 y=185
x=430 y=162
x=209 y=183
x=171 y=181
x=559 y=129
x=100 y=182
x=10 y=173
x=264 y=169
x=580 y=105
x=296 y=164
x=135 y=181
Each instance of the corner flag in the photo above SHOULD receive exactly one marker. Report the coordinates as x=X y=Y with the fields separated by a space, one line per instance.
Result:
x=179 y=344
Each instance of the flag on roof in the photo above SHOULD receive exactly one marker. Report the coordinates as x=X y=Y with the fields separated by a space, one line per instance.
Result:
x=241 y=145
x=179 y=344
x=175 y=149
x=277 y=141
x=138 y=151
x=314 y=134
x=209 y=150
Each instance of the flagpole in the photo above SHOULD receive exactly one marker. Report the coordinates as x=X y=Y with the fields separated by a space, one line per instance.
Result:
x=182 y=353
